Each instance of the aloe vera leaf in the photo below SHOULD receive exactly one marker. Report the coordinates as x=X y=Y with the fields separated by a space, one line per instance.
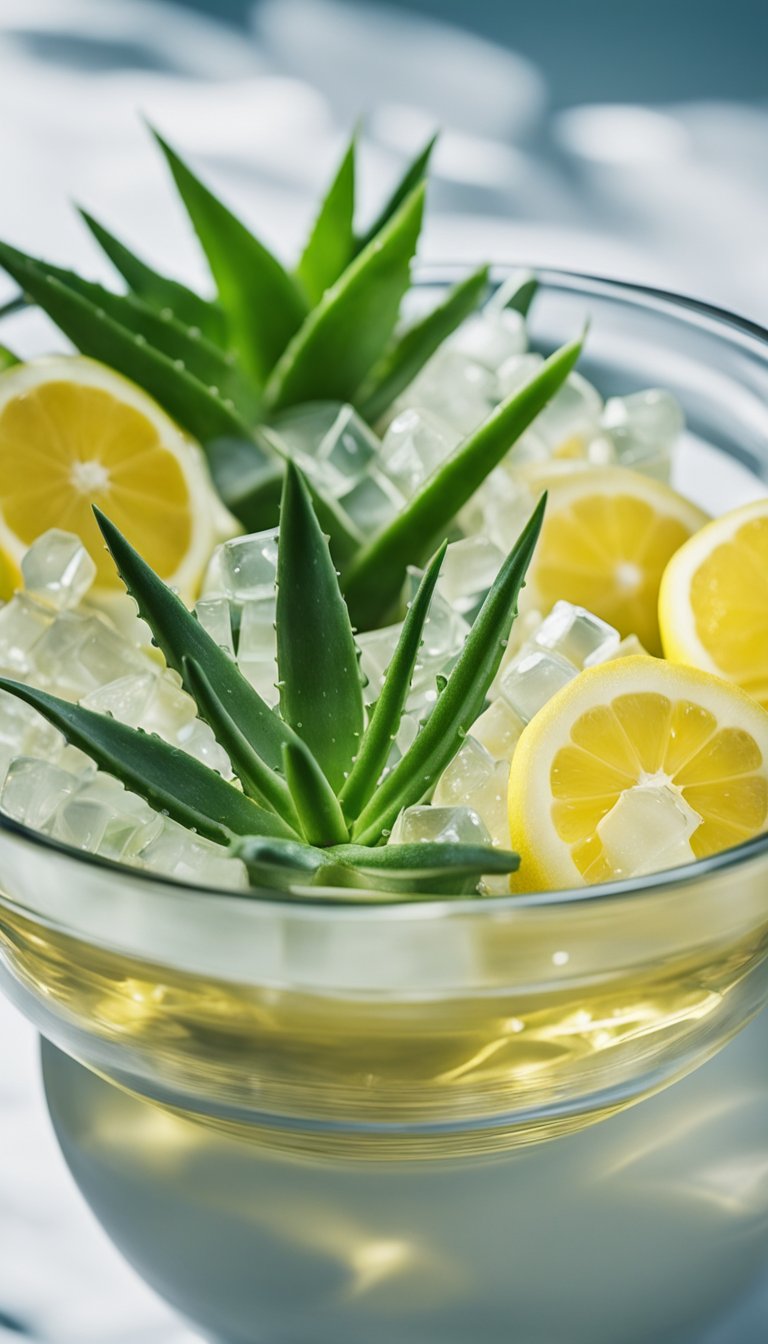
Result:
x=458 y=706
x=263 y=303
x=7 y=358
x=418 y=344
x=383 y=723
x=179 y=635
x=318 y=809
x=193 y=405
x=321 y=695
x=165 y=776
x=159 y=291
x=413 y=176
x=258 y=781
x=375 y=576
x=521 y=298
x=331 y=244
x=191 y=352
x=351 y=326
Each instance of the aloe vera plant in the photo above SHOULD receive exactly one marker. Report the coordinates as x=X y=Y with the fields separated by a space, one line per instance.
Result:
x=315 y=802
x=273 y=338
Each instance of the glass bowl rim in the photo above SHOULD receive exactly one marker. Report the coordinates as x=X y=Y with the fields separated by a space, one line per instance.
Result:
x=337 y=900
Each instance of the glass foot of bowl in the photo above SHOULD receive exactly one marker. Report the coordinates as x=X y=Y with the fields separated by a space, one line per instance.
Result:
x=641 y=1228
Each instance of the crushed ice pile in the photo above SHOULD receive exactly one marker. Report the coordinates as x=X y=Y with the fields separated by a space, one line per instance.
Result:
x=52 y=638
x=53 y=635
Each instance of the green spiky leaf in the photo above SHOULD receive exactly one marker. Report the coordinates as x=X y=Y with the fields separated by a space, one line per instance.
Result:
x=180 y=636
x=317 y=806
x=412 y=178
x=159 y=291
x=418 y=344
x=190 y=351
x=351 y=326
x=331 y=244
x=166 y=776
x=263 y=303
x=7 y=358
x=416 y=773
x=320 y=692
x=384 y=721
x=258 y=781
x=375 y=577
x=95 y=333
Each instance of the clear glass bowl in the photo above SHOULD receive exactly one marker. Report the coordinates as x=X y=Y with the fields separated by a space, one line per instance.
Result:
x=327 y=1117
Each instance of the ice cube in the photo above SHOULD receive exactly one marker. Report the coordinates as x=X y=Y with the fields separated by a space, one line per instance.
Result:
x=644 y=428
x=468 y=571
x=455 y=388
x=648 y=829
x=57 y=569
x=197 y=739
x=532 y=677
x=35 y=789
x=25 y=732
x=125 y=699
x=415 y=443
x=440 y=825
x=78 y=653
x=571 y=420
x=502 y=507
x=328 y=437
x=371 y=501
x=476 y=780
x=178 y=853
x=376 y=649
x=498 y=729
x=215 y=616
x=23 y=622
x=118 y=821
x=169 y=709
x=445 y=631
x=492 y=337
x=257 y=645
x=516 y=371
x=247 y=566
x=577 y=635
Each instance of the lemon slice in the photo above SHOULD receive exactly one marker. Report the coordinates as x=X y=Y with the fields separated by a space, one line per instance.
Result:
x=713 y=603
x=635 y=766
x=74 y=434
x=607 y=536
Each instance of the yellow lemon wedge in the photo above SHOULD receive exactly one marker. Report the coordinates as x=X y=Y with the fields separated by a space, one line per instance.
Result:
x=713 y=602
x=635 y=766
x=72 y=434
x=607 y=537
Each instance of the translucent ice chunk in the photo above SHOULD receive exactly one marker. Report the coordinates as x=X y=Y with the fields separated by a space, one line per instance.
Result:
x=415 y=443
x=376 y=649
x=197 y=739
x=329 y=437
x=178 y=853
x=516 y=371
x=23 y=622
x=492 y=337
x=469 y=569
x=649 y=828
x=441 y=825
x=169 y=709
x=125 y=699
x=57 y=569
x=455 y=388
x=35 y=789
x=215 y=616
x=532 y=677
x=644 y=428
x=24 y=732
x=371 y=500
x=77 y=653
x=498 y=729
x=445 y=631
x=476 y=780
x=247 y=566
x=105 y=816
x=256 y=647
x=577 y=635
x=500 y=510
